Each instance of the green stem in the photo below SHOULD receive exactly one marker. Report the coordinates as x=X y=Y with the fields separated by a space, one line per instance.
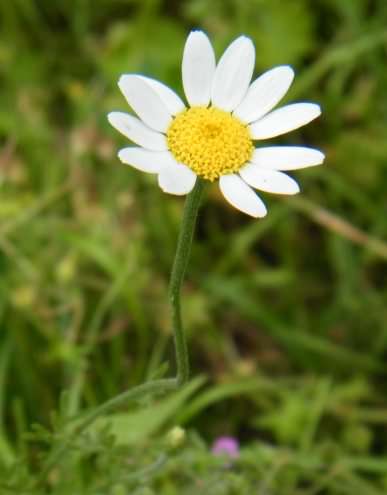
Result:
x=154 y=387
x=190 y=213
x=183 y=249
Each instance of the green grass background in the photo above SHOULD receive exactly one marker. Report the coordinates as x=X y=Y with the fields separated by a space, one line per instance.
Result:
x=286 y=316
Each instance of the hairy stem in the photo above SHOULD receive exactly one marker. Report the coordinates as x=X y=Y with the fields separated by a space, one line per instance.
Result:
x=159 y=387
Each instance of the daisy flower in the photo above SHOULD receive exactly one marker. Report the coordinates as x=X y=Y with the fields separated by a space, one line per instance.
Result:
x=215 y=136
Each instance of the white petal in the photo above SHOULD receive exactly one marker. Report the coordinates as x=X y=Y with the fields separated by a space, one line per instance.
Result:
x=284 y=119
x=171 y=100
x=145 y=102
x=287 y=157
x=177 y=179
x=241 y=196
x=145 y=160
x=136 y=131
x=264 y=93
x=233 y=74
x=268 y=180
x=198 y=68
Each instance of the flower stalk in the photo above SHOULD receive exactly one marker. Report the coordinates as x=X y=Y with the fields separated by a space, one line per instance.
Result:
x=184 y=243
x=149 y=388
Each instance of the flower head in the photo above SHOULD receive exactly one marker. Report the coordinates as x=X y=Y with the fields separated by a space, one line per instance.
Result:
x=228 y=446
x=176 y=436
x=215 y=136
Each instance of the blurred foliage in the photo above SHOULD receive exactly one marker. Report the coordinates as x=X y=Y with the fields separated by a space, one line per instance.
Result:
x=286 y=316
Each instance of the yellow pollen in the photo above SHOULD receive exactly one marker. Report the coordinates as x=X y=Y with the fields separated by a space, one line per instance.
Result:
x=209 y=141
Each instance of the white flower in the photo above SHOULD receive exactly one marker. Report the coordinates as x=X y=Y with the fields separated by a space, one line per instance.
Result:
x=214 y=137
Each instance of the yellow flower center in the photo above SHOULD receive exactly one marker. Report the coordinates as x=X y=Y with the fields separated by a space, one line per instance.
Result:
x=209 y=141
